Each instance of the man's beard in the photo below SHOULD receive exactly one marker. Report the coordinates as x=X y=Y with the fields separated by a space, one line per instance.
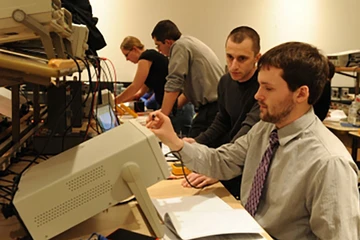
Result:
x=279 y=116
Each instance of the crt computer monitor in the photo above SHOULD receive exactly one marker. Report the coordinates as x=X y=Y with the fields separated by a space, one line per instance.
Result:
x=81 y=182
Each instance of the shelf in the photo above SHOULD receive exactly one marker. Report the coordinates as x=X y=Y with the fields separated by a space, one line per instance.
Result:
x=346 y=101
x=347 y=69
x=356 y=70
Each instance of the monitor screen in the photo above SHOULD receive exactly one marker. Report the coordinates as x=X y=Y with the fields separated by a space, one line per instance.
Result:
x=85 y=180
x=106 y=117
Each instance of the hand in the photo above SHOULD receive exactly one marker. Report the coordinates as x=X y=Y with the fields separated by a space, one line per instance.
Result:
x=189 y=140
x=117 y=100
x=198 y=180
x=160 y=125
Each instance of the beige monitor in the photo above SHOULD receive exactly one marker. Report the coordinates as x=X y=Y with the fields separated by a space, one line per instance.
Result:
x=79 y=183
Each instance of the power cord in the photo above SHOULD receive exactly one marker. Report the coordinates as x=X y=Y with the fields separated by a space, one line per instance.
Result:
x=126 y=201
x=177 y=155
x=96 y=236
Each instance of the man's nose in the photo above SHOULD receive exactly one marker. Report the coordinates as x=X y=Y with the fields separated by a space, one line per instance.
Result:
x=234 y=65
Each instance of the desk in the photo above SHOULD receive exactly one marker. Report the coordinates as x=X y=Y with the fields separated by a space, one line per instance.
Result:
x=348 y=135
x=126 y=216
x=341 y=132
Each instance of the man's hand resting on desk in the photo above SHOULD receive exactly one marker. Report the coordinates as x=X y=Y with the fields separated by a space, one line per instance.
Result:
x=198 y=180
x=161 y=126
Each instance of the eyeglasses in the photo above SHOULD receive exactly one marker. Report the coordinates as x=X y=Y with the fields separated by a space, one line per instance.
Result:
x=127 y=54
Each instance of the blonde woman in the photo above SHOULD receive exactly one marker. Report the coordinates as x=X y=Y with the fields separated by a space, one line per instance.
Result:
x=152 y=69
x=151 y=74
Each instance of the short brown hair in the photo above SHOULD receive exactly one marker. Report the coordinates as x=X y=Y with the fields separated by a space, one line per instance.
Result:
x=166 y=29
x=239 y=34
x=302 y=64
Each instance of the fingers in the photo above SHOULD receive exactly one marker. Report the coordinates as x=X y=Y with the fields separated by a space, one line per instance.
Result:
x=155 y=123
x=155 y=120
x=198 y=180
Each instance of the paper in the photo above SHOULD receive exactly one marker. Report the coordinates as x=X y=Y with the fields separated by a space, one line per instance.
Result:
x=169 y=235
x=205 y=217
x=197 y=224
x=336 y=116
x=189 y=203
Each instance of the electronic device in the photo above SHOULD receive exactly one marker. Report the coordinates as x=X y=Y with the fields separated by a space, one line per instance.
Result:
x=106 y=98
x=77 y=184
x=45 y=12
x=59 y=110
x=345 y=59
x=106 y=117
x=79 y=40
x=177 y=169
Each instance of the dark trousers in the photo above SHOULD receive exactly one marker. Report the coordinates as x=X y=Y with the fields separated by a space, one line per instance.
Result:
x=203 y=119
x=182 y=120
x=233 y=186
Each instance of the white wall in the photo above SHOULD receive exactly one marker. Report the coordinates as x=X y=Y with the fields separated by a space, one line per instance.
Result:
x=331 y=25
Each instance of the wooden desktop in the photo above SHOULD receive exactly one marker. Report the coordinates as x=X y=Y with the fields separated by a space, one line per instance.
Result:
x=348 y=136
x=127 y=216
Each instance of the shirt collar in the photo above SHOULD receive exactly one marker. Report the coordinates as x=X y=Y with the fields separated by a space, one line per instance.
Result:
x=172 y=46
x=294 y=129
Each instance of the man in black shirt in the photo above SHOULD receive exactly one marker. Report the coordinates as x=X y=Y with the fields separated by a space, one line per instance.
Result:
x=321 y=107
x=238 y=109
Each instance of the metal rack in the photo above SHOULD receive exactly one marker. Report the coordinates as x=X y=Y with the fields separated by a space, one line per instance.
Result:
x=16 y=70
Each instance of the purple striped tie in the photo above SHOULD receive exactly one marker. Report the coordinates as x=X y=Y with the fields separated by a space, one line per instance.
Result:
x=261 y=173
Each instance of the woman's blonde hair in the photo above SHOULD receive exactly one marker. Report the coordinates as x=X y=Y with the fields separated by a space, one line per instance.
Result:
x=129 y=42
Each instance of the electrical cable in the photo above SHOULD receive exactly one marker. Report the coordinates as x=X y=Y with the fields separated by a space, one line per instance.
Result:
x=78 y=110
x=5 y=197
x=5 y=180
x=18 y=175
x=93 y=98
x=177 y=155
x=98 y=237
x=126 y=201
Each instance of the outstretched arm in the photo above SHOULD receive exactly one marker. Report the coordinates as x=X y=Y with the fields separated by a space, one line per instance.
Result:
x=138 y=82
x=168 y=102
x=224 y=162
x=144 y=89
x=182 y=100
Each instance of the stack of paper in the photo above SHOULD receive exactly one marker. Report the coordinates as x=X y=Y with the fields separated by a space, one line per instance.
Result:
x=336 y=116
x=205 y=217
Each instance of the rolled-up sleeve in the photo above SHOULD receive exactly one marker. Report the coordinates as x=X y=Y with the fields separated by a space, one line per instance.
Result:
x=178 y=69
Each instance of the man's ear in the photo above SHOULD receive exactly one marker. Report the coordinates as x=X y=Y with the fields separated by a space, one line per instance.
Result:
x=302 y=94
x=257 y=57
x=169 y=42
